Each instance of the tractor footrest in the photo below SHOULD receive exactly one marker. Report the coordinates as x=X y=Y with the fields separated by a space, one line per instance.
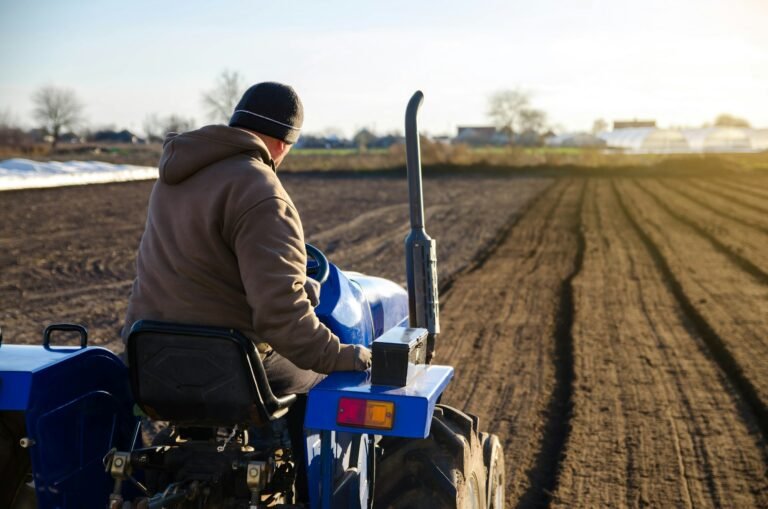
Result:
x=396 y=353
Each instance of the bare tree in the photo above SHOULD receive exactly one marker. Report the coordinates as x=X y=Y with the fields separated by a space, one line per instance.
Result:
x=505 y=106
x=726 y=120
x=362 y=139
x=10 y=132
x=532 y=119
x=57 y=109
x=177 y=124
x=599 y=126
x=221 y=100
x=156 y=127
x=7 y=118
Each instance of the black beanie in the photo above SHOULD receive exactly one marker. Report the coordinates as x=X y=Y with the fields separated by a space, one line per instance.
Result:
x=270 y=108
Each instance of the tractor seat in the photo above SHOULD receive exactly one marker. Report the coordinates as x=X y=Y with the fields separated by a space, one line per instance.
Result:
x=200 y=376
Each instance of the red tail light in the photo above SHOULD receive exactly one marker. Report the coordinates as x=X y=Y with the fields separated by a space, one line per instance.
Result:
x=366 y=413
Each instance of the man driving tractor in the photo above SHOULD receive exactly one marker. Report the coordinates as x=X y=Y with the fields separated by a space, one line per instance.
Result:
x=224 y=245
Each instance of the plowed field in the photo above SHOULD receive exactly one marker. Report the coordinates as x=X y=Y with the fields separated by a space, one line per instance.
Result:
x=612 y=331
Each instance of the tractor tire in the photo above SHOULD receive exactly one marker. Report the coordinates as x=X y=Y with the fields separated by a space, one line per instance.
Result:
x=446 y=470
x=493 y=457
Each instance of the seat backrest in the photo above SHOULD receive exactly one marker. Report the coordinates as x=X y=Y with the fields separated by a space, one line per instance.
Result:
x=200 y=376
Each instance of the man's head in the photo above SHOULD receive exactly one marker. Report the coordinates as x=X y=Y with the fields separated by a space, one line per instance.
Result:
x=273 y=111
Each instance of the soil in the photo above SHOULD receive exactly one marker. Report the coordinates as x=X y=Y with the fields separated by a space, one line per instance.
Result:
x=613 y=331
x=68 y=254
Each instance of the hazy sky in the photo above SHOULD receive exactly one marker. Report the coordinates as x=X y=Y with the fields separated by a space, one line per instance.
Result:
x=356 y=63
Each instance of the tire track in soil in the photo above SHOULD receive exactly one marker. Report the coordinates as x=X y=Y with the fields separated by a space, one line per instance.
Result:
x=745 y=240
x=737 y=198
x=742 y=262
x=652 y=422
x=499 y=326
x=560 y=409
x=715 y=204
x=478 y=262
x=492 y=244
x=744 y=187
x=718 y=348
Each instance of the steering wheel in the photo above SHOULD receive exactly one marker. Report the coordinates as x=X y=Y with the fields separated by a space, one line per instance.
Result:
x=317 y=264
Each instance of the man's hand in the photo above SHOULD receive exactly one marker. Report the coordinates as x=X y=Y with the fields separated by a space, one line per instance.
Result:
x=353 y=358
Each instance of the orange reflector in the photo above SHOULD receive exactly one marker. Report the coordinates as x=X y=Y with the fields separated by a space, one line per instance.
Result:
x=366 y=413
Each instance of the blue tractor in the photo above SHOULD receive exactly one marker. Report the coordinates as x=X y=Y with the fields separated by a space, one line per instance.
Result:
x=71 y=417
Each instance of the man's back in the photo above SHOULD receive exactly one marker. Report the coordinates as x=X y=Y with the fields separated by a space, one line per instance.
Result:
x=224 y=246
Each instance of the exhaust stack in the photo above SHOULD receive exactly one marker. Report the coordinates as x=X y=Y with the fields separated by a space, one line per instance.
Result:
x=420 y=249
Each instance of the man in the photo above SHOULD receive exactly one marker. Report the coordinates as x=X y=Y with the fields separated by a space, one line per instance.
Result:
x=224 y=245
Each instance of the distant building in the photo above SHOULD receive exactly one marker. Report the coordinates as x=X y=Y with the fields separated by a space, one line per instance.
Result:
x=386 y=141
x=575 y=140
x=480 y=136
x=631 y=124
x=69 y=137
x=528 y=138
x=109 y=136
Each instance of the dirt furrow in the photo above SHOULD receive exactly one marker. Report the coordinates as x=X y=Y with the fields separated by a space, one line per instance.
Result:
x=69 y=253
x=746 y=249
x=755 y=186
x=726 y=307
x=500 y=324
x=464 y=215
x=737 y=199
x=717 y=204
x=652 y=424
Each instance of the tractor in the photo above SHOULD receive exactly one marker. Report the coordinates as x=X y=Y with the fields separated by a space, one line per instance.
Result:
x=71 y=417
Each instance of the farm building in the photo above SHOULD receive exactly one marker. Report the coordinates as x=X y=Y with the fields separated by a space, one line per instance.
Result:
x=480 y=135
x=631 y=124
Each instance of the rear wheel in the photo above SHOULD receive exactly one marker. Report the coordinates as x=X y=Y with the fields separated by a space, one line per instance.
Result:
x=444 y=470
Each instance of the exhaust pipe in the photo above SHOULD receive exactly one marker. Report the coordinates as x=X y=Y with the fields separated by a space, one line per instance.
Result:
x=420 y=249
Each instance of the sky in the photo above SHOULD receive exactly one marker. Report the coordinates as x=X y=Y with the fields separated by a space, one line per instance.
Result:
x=356 y=63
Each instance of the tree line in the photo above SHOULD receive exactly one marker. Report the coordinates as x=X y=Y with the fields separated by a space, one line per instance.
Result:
x=59 y=110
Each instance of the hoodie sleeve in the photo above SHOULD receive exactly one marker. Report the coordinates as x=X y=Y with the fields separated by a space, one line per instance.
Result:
x=268 y=241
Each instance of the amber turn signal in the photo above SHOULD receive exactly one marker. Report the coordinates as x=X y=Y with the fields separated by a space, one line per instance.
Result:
x=366 y=413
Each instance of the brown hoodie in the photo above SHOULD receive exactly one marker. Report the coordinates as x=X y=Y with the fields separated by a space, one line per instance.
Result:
x=224 y=246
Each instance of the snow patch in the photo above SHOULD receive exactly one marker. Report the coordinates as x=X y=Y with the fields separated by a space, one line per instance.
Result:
x=26 y=174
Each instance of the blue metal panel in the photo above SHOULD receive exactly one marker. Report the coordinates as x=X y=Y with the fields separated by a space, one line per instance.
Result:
x=414 y=403
x=326 y=469
x=14 y=390
x=328 y=460
x=388 y=301
x=18 y=363
x=77 y=405
x=344 y=309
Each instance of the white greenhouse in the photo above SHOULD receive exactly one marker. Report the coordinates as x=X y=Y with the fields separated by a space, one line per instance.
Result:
x=707 y=139
x=646 y=139
x=719 y=139
x=759 y=139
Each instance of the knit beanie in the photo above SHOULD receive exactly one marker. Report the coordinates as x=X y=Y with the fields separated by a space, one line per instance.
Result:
x=270 y=108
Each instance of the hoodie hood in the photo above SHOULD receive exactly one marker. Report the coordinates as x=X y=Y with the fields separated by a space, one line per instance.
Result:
x=187 y=153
